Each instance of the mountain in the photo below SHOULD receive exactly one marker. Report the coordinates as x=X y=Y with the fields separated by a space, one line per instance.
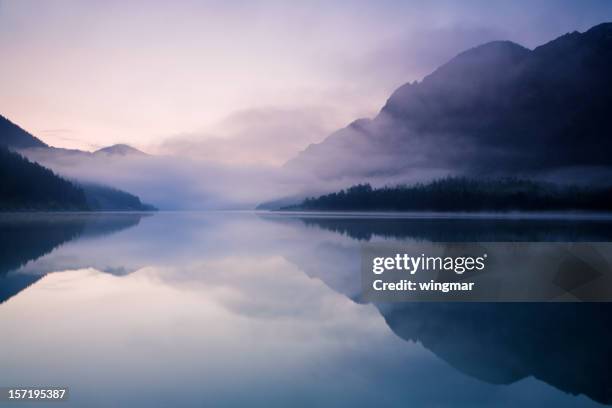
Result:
x=496 y=109
x=119 y=150
x=16 y=138
x=13 y=136
x=30 y=186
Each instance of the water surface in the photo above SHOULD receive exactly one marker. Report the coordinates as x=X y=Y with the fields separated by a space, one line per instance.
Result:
x=258 y=309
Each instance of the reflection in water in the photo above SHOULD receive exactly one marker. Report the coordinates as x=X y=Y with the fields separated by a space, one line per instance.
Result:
x=566 y=345
x=463 y=229
x=222 y=310
x=26 y=237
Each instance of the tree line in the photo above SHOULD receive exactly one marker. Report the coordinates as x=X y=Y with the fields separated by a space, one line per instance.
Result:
x=464 y=194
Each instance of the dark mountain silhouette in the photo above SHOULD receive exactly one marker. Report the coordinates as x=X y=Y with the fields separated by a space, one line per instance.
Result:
x=27 y=237
x=463 y=194
x=12 y=136
x=29 y=186
x=498 y=109
x=119 y=150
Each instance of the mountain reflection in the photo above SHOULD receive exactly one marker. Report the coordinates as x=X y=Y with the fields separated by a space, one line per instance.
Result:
x=27 y=237
x=566 y=345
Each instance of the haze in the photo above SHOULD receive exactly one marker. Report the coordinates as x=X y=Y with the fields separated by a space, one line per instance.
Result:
x=237 y=82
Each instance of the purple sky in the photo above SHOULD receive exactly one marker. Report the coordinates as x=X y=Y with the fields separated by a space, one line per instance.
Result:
x=238 y=81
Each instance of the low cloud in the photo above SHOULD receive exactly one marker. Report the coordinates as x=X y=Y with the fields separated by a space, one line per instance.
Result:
x=263 y=136
x=178 y=182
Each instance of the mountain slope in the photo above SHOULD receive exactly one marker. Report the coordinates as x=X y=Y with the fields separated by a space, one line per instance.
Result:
x=104 y=198
x=29 y=186
x=14 y=137
x=497 y=109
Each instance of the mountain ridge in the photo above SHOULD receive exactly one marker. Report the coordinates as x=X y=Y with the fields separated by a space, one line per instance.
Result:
x=12 y=135
x=496 y=108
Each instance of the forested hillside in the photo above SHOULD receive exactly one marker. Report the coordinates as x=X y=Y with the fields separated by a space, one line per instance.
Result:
x=30 y=186
x=463 y=194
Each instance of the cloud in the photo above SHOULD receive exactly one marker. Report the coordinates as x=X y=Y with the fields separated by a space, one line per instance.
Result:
x=267 y=136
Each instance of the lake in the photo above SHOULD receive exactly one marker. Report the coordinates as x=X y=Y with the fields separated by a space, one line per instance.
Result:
x=235 y=309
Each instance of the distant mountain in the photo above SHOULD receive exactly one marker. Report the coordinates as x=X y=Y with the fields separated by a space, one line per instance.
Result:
x=497 y=109
x=119 y=150
x=30 y=186
x=12 y=136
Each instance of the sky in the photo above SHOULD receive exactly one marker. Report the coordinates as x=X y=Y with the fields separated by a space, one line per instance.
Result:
x=249 y=82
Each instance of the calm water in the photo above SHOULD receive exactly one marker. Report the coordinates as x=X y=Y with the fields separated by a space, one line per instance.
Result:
x=245 y=309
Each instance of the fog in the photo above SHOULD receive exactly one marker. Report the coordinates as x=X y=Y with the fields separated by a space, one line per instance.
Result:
x=263 y=136
x=178 y=182
x=168 y=182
